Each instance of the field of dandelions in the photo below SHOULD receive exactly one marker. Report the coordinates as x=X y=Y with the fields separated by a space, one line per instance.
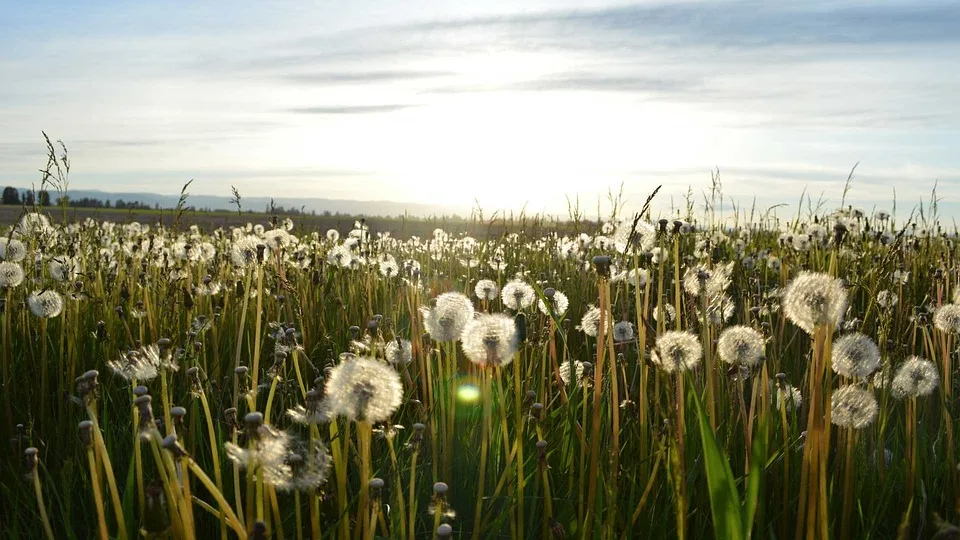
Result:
x=634 y=378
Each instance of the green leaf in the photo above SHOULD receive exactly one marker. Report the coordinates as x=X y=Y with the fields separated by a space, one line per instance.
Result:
x=758 y=458
x=724 y=499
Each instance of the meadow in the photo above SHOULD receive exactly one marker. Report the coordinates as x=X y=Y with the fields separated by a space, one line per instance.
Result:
x=637 y=377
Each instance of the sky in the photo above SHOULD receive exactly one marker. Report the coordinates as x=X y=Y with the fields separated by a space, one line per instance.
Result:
x=504 y=104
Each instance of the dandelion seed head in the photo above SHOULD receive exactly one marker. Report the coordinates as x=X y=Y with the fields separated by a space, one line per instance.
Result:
x=517 y=295
x=853 y=407
x=363 y=389
x=887 y=299
x=445 y=321
x=947 y=318
x=486 y=289
x=12 y=250
x=741 y=345
x=140 y=365
x=814 y=299
x=699 y=280
x=11 y=275
x=389 y=267
x=64 y=269
x=855 y=355
x=720 y=309
x=490 y=340
x=565 y=372
x=398 y=351
x=789 y=396
x=559 y=302
x=340 y=256
x=916 y=377
x=590 y=323
x=46 y=304
x=677 y=351
x=668 y=311
x=623 y=332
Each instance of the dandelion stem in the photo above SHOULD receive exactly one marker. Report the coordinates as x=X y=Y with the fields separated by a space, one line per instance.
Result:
x=35 y=477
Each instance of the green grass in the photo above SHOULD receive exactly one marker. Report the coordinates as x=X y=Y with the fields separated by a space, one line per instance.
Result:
x=636 y=453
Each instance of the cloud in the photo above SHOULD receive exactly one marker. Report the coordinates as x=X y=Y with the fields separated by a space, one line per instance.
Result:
x=730 y=24
x=360 y=77
x=350 y=109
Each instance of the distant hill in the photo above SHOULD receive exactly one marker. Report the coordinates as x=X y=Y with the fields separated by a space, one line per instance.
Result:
x=261 y=204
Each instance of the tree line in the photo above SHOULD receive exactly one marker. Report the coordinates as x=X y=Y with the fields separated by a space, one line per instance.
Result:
x=29 y=197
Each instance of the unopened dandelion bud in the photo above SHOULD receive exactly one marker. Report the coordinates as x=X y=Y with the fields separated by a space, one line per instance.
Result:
x=230 y=416
x=663 y=225
x=440 y=489
x=178 y=413
x=86 y=433
x=193 y=373
x=30 y=459
x=354 y=332
x=143 y=404
x=549 y=292
x=140 y=390
x=101 y=331
x=241 y=371
x=782 y=380
x=602 y=263
x=376 y=486
x=252 y=421
x=839 y=233
x=677 y=226
x=542 y=450
x=164 y=343
x=171 y=444
x=259 y=531
x=536 y=411
x=444 y=531
x=530 y=396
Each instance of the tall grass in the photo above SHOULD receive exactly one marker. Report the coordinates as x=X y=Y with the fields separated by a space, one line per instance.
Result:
x=627 y=451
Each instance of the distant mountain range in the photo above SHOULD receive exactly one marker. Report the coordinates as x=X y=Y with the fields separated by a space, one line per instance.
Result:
x=261 y=204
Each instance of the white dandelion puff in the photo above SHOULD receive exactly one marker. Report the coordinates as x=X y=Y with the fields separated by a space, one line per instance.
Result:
x=46 y=304
x=741 y=345
x=623 y=332
x=517 y=295
x=11 y=275
x=398 y=351
x=590 y=323
x=577 y=369
x=853 y=407
x=947 y=318
x=677 y=351
x=559 y=303
x=445 y=321
x=363 y=388
x=814 y=299
x=490 y=340
x=855 y=355
x=915 y=378
x=486 y=289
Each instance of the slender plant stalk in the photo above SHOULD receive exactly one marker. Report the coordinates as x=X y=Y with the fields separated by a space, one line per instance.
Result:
x=38 y=492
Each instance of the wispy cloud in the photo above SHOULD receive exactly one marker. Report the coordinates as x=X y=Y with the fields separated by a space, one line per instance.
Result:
x=779 y=95
x=354 y=77
x=351 y=109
